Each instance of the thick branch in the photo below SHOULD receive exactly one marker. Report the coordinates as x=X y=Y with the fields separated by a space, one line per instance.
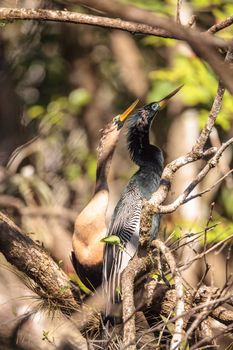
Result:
x=179 y=323
x=199 y=44
x=222 y=315
x=22 y=252
x=81 y=18
x=202 y=45
x=134 y=267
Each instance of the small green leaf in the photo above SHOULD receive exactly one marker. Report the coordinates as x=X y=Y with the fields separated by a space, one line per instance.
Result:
x=118 y=291
x=75 y=278
x=170 y=326
x=113 y=239
x=155 y=275
x=35 y=111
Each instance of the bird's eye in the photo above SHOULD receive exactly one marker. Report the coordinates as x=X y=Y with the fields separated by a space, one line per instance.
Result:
x=154 y=106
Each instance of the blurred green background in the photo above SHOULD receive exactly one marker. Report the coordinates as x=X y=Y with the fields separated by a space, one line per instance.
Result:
x=61 y=83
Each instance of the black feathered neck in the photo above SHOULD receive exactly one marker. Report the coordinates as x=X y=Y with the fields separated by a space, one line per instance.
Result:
x=141 y=151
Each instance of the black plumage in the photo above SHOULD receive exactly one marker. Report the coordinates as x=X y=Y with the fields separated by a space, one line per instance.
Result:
x=125 y=222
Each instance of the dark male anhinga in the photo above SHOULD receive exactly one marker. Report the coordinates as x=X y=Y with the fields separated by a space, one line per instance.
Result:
x=90 y=225
x=125 y=222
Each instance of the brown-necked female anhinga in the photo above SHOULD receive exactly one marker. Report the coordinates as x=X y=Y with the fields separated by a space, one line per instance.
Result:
x=90 y=225
x=125 y=221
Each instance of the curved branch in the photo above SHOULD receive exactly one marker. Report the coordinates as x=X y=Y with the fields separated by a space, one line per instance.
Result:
x=22 y=252
x=202 y=45
x=215 y=109
x=81 y=18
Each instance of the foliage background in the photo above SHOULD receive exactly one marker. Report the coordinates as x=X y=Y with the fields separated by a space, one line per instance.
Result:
x=60 y=84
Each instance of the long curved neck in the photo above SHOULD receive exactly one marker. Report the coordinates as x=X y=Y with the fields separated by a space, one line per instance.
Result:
x=141 y=151
x=106 y=148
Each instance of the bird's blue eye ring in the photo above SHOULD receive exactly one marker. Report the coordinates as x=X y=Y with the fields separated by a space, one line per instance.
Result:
x=154 y=106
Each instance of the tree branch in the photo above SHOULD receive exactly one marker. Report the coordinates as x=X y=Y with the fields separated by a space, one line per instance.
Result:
x=215 y=109
x=22 y=252
x=134 y=267
x=221 y=25
x=200 y=44
x=178 y=8
x=154 y=204
x=212 y=163
x=199 y=194
x=81 y=18
x=179 y=323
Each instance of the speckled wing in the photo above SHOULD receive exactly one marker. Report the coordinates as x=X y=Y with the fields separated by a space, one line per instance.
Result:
x=125 y=224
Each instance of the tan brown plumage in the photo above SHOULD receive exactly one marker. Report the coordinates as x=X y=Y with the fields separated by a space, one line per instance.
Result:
x=90 y=225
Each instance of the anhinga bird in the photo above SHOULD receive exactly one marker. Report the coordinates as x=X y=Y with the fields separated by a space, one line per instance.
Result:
x=125 y=222
x=90 y=225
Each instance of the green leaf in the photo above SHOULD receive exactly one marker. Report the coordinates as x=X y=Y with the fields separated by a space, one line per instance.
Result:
x=113 y=239
x=170 y=326
x=75 y=278
x=155 y=275
x=36 y=111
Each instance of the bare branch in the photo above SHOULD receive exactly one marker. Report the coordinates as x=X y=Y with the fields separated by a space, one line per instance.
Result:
x=212 y=163
x=134 y=267
x=215 y=109
x=189 y=198
x=201 y=255
x=200 y=44
x=199 y=344
x=217 y=104
x=192 y=21
x=202 y=316
x=81 y=18
x=221 y=25
x=178 y=8
x=10 y=201
x=22 y=252
x=179 y=323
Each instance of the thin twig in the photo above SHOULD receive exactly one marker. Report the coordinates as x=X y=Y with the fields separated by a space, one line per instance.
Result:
x=215 y=109
x=200 y=256
x=199 y=194
x=212 y=163
x=199 y=344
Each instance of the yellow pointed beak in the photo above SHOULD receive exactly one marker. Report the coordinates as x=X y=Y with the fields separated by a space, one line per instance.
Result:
x=121 y=117
x=162 y=103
